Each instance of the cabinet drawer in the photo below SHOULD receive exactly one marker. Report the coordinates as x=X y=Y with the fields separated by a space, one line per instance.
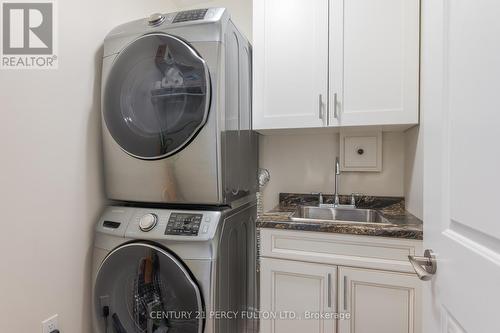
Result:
x=337 y=249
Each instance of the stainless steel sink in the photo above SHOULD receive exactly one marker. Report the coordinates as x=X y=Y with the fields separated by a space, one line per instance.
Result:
x=336 y=215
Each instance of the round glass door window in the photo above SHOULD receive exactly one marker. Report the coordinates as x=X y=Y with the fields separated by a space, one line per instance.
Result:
x=157 y=96
x=141 y=288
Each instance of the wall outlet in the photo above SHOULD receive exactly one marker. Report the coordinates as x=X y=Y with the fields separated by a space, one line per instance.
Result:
x=51 y=324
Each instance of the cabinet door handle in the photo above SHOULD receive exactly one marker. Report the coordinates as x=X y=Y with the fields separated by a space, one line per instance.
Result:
x=320 y=106
x=335 y=105
x=329 y=289
x=345 y=292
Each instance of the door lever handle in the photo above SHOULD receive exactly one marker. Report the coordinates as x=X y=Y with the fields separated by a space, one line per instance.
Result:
x=425 y=266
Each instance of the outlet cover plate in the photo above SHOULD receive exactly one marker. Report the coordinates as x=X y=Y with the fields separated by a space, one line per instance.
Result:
x=51 y=324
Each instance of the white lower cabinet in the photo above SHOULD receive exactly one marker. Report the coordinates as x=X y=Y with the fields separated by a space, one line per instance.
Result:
x=368 y=281
x=292 y=291
x=379 y=301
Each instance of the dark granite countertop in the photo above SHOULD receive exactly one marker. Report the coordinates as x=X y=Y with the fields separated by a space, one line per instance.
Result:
x=403 y=224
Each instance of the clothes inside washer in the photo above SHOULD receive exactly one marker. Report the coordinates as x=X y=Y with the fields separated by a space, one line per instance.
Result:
x=148 y=296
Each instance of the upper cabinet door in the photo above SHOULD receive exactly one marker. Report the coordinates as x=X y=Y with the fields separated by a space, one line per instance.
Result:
x=290 y=63
x=374 y=62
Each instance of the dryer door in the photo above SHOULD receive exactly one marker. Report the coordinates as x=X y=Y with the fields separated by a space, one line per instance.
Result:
x=143 y=288
x=157 y=96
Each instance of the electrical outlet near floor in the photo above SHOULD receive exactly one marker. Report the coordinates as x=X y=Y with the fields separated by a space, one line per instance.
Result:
x=49 y=325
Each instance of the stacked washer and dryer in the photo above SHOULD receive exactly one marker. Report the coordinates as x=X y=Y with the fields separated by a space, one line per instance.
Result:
x=176 y=250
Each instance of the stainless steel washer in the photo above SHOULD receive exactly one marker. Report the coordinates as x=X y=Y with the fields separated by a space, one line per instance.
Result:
x=176 y=109
x=159 y=270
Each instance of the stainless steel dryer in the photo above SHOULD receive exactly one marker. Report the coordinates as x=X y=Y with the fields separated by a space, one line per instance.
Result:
x=176 y=108
x=159 y=270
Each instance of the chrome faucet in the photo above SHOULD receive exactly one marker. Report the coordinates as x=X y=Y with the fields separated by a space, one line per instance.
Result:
x=336 y=200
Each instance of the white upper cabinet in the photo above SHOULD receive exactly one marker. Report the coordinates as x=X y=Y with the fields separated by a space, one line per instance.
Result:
x=335 y=63
x=290 y=63
x=374 y=61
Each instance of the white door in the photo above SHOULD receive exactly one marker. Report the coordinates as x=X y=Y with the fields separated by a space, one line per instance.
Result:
x=290 y=63
x=461 y=117
x=374 y=62
x=293 y=287
x=379 y=301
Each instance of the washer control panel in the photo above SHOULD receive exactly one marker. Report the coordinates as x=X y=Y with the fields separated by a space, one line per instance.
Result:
x=158 y=224
x=183 y=224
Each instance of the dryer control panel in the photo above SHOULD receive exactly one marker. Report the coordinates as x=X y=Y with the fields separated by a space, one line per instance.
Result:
x=190 y=15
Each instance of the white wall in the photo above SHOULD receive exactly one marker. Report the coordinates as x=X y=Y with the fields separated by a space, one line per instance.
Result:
x=50 y=171
x=304 y=163
x=414 y=171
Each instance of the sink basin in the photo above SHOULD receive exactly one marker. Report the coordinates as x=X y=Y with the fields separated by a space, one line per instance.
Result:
x=336 y=215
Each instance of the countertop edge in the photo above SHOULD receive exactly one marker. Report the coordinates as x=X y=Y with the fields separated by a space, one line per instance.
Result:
x=281 y=220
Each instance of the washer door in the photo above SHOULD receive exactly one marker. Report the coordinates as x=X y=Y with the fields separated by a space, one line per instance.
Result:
x=157 y=96
x=146 y=289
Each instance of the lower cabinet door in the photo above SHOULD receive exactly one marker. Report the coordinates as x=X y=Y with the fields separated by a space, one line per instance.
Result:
x=297 y=297
x=379 y=301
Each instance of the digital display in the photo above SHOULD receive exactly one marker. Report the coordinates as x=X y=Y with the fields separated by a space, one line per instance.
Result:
x=183 y=224
x=190 y=15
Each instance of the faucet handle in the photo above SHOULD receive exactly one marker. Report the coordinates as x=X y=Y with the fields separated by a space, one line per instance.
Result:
x=353 y=197
x=320 y=197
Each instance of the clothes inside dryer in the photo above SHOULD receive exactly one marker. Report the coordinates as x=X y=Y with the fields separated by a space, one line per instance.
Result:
x=141 y=288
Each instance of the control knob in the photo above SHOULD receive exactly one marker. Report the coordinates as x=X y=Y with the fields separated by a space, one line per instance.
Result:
x=148 y=222
x=156 y=19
